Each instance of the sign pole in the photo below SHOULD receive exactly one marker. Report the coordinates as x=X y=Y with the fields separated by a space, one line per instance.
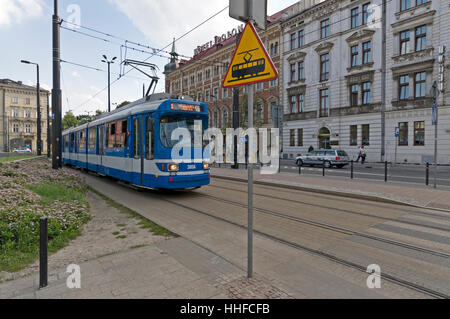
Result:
x=436 y=148
x=250 y=185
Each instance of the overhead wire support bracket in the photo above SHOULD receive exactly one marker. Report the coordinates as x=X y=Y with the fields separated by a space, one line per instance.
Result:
x=153 y=68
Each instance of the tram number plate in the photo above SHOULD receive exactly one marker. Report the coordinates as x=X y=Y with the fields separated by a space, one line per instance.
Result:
x=192 y=166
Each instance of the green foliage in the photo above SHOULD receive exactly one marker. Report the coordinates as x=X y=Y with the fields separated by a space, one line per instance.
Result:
x=311 y=149
x=69 y=120
x=125 y=103
x=14 y=158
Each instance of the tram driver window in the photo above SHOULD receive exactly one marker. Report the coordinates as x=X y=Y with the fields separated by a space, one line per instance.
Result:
x=137 y=139
x=111 y=135
x=124 y=134
x=72 y=141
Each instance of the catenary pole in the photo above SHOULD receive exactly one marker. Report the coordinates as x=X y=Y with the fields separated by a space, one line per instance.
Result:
x=56 y=92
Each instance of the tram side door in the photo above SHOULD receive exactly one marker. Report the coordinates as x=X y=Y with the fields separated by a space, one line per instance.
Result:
x=138 y=147
x=101 y=146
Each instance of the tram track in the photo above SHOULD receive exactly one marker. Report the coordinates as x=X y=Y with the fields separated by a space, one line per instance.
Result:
x=391 y=278
x=346 y=211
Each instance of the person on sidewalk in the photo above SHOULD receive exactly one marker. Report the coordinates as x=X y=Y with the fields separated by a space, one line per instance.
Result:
x=362 y=155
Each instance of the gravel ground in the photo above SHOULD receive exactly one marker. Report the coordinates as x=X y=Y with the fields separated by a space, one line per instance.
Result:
x=108 y=232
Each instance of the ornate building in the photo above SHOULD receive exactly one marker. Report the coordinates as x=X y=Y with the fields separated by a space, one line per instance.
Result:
x=18 y=116
x=333 y=81
x=201 y=77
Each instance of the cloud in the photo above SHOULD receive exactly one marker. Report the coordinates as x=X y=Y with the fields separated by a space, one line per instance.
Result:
x=17 y=11
x=75 y=74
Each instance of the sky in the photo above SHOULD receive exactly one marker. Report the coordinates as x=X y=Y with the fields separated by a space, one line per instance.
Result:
x=26 y=34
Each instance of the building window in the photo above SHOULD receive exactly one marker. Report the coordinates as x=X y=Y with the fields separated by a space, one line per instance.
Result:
x=355 y=17
x=421 y=38
x=405 y=5
x=15 y=100
x=15 y=113
x=301 y=103
x=419 y=133
x=353 y=135
x=301 y=70
x=420 y=2
x=367 y=52
x=199 y=97
x=365 y=134
x=225 y=93
x=354 y=54
x=27 y=101
x=354 y=91
x=403 y=138
x=216 y=70
x=365 y=13
x=216 y=94
x=293 y=71
x=192 y=80
x=246 y=89
x=225 y=118
x=420 y=84
x=366 y=92
x=225 y=67
x=404 y=42
x=273 y=83
x=325 y=28
x=27 y=113
x=199 y=77
x=324 y=67
x=293 y=104
x=404 y=87
x=259 y=86
x=300 y=137
x=293 y=41
x=292 y=138
x=324 y=103
x=207 y=96
x=259 y=112
x=208 y=74
x=301 y=38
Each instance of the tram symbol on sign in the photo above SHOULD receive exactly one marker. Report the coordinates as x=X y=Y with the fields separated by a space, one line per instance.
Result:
x=249 y=69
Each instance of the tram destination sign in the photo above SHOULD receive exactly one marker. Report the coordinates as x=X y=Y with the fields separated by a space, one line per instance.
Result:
x=250 y=63
x=185 y=107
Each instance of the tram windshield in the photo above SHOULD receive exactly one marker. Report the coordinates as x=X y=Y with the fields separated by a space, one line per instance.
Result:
x=168 y=125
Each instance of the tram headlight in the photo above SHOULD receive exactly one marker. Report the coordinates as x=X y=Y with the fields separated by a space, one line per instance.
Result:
x=207 y=166
x=173 y=167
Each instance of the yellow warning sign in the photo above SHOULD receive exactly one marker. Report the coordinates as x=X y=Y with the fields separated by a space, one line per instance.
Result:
x=250 y=63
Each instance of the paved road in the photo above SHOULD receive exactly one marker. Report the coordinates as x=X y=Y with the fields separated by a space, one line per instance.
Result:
x=375 y=171
x=315 y=246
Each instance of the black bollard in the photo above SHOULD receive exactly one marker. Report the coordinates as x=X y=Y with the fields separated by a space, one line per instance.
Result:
x=385 y=172
x=351 y=167
x=323 y=169
x=300 y=170
x=43 y=253
x=427 y=180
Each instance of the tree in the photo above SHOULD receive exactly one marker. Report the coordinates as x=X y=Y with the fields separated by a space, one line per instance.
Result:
x=98 y=113
x=69 y=120
x=125 y=103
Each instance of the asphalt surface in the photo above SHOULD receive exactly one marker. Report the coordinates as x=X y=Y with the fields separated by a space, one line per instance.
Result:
x=374 y=171
x=314 y=245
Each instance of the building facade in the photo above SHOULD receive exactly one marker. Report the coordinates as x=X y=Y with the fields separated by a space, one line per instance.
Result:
x=18 y=116
x=334 y=95
x=201 y=77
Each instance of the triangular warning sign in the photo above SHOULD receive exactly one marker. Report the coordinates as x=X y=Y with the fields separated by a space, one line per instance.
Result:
x=250 y=63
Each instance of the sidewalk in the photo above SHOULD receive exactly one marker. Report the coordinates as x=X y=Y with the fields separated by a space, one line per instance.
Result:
x=392 y=192
x=175 y=269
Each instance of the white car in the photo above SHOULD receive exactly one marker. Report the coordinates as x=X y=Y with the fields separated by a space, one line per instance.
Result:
x=22 y=150
x=329 y=158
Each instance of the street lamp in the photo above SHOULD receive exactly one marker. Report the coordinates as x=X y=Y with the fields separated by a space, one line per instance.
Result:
x=38 y=144
x=105 y=60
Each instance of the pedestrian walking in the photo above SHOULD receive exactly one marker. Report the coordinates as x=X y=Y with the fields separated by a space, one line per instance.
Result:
x=362 y=155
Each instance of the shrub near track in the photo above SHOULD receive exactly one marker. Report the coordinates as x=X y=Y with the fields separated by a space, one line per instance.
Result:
x=32 y=189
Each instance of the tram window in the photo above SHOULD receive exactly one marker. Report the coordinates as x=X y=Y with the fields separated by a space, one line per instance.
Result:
x=72 y=141
x=119 y=135
x=125 y=133
x=111 y=135
x=66 y=141
x=149 y=139
x=137 y=138
x=92 y=137
x=82 y=144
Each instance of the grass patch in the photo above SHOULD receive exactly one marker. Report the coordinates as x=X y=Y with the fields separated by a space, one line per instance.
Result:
x=121 y=225
x=144 y=223
x=15 y=158
x=50 y=193
x=121 y=237
x=116 y=233
x=138 y=246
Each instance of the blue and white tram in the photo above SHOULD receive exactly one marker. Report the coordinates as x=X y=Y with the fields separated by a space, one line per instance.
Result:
x=133 y=145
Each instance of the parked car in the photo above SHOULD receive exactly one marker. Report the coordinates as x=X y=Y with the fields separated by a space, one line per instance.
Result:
x=22 y=150
x=329 y=158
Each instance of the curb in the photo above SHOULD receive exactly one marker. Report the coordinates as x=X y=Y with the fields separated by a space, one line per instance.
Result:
x=367 y=197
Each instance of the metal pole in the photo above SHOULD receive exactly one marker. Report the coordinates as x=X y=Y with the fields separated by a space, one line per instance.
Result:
x=39 y=129
x=56 y=93
x=300 y=170
x=323 y=168
x=427 y=178
x=351 y=174
x=385 y=171
x=436 y=147
x=48 y=127
x=250 y=186
x=397 y=139
x=109 y=88
x=383 y=80
x=236 y=115
x=43 y=253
